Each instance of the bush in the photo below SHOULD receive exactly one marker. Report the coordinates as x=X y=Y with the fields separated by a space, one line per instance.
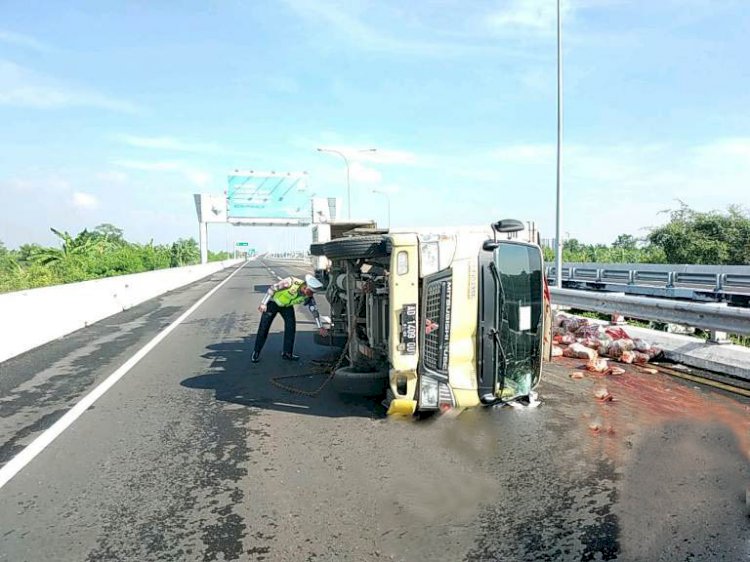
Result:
x=102 y=252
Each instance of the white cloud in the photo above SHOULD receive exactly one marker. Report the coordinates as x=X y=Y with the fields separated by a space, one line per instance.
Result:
x=339 y=19
x=50 y=184
x=84 y=201
x=148 y=166
x=112 y=177
x=21 y=87
x=390 y=189
x=167 y=143
x=607 y=189
x=385 y=156
x=21 y=40
x=377 y=156
x=737 y=147
x=363 y=174
x=527 y=15
x=196 y=176
x=525 y=152
x=348 y=20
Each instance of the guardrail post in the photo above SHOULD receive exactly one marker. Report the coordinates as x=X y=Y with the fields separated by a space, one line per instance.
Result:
x=717 y=336
x=720 y=280
x=671 y=279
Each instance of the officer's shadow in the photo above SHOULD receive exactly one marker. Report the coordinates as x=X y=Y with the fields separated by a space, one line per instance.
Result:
x=234 y=378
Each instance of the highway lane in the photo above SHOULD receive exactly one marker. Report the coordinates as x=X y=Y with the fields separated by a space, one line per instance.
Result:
x=195 y=455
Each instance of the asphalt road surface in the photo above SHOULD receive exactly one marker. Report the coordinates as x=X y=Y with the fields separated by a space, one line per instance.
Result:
x=195 y=455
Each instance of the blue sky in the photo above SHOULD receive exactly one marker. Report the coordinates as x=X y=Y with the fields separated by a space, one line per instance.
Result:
x=119 y=112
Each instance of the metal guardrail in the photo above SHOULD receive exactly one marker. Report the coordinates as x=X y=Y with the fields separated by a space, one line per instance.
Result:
x=715 y=317
x=719 y=277
x=693 y=282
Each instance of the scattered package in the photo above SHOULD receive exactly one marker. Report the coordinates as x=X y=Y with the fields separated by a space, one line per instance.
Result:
x=578 y=351
x=597 y=366
x=580 y=338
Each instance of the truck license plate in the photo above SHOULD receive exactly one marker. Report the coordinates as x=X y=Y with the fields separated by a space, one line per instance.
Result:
x=409 y=329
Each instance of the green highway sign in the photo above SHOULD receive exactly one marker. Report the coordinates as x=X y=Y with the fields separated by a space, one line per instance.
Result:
x=241 y=244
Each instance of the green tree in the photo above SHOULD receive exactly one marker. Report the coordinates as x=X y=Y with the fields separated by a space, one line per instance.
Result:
x=90 y=254
x=79 y=246
x=184 y=252
x=625 y=242
x=110 y=232
x=218 y=256
x=712 y=237
x=26 y=252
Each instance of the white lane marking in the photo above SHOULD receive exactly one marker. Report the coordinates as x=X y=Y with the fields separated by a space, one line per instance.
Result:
x=17 y=463
x=291 y=405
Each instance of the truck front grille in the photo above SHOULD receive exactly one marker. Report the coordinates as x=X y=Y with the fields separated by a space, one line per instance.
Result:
x=437 y=315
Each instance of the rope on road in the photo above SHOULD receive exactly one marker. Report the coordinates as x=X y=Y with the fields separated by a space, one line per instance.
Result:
x=276 y=381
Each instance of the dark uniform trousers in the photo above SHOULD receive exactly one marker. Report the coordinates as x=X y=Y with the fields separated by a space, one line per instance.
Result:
x=266 y=319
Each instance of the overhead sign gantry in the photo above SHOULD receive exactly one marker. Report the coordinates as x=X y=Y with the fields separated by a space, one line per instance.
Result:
x=254 y=198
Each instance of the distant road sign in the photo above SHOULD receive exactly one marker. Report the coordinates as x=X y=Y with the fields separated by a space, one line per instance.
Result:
x=268 y=198
x=241 y=244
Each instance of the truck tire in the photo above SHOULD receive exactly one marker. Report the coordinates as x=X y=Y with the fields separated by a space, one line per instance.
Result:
x=348 y=381
x=357 y=247
x=317 y=249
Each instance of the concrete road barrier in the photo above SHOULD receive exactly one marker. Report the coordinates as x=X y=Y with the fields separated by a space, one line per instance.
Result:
x=36 y=316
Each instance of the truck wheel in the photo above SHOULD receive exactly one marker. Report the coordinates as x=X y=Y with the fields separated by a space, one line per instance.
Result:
x=348 y=381
x=357 y=247
x=317 y=249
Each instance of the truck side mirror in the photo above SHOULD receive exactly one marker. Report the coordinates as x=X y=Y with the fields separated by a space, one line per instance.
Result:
x=508 y=225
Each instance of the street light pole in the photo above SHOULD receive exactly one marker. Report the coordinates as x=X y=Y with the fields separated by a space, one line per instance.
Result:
x=558 y=222
x=388 y=201
x=348 y=182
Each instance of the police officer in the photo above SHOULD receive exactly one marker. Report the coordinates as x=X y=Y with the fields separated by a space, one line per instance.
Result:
x=281 y=299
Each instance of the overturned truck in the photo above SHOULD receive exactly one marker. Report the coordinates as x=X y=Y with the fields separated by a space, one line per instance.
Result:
x=437 y=319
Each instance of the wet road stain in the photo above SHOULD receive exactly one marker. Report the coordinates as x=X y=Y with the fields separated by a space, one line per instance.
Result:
x=21 y=439
x=187 y=476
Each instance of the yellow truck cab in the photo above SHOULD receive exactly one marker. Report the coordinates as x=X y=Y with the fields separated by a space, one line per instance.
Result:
x=438 y=318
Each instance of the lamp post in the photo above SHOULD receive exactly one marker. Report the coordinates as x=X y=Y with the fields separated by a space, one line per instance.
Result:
x=388 y=201
x=558 y=225
x=348 y=183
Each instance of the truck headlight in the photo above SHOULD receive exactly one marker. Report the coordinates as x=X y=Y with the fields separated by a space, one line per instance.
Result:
x=428 y=392
x=430 y=257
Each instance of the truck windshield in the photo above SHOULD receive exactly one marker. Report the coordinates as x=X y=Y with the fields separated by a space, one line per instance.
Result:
x=519 y=287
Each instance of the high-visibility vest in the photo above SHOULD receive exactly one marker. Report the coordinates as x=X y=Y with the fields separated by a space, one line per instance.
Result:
x=291 y=295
